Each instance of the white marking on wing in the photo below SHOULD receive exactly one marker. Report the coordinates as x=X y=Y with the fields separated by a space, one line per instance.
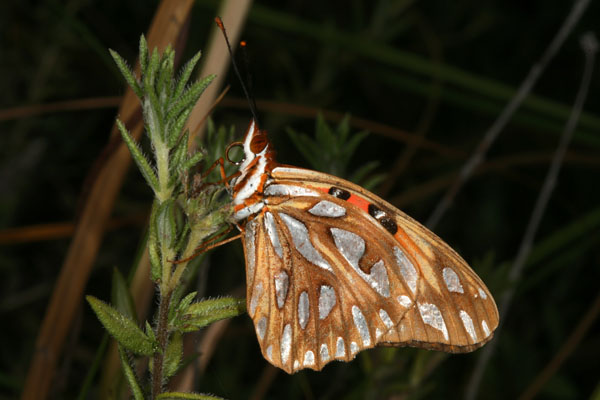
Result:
x=324 y=352
x=361 y=325
x=302 y=242
x=407 y=269
x=404 y=301
x=256 y=293
x=326 y=301
x=468 y=324
x=352 y=247
x=282 y=283
x=309 y=358
x=289 y=190
x=452 y=281
x=303 y=309
x=340 y=348
x=286 y=343
x=432 y=316
x=272 y=232
x=326 y=208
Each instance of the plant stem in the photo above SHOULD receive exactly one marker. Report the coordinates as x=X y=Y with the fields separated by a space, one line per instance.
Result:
x=162 y=336
x=162 y=166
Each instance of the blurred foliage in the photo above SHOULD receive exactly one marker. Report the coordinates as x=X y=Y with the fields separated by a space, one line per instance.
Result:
x=440 y=69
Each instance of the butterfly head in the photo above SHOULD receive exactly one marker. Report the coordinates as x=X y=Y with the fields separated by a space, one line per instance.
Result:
x=257 y=163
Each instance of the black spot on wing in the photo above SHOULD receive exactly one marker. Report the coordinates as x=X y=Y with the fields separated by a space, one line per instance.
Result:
x=384 y=219
x=339 y=193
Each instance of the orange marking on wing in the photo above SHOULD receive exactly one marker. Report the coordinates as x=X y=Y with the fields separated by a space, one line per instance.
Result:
x=359 y=202
x=408 y=244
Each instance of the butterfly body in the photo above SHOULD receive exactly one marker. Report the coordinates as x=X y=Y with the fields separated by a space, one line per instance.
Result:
x=332 y=269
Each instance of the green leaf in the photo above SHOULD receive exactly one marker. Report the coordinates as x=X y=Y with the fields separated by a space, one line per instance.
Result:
x=178 y=305
x=130 y=375
x=176 y=128
x=123 y=329
x=121 y=297
x=165 y=74
x=150 y=332
x=143 y=49
x=186 y=396
x=183 y=236
x=153 y=115
x=350 y=146
x=178 y=153
x=127 y=73
x=166 y=226
x=141 y=161
x=186 y=301
x=173 y=355
x=192 y=160
x=153 y=66
x=324 y=134
x=190 y=96
x=203 y=313
x=186 y=72
x=155 y=265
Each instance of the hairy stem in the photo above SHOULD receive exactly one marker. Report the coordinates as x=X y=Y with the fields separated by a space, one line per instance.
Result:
x=162 y=335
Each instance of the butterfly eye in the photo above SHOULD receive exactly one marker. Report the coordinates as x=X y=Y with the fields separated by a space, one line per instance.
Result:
x=258 y=143
x=228 y=152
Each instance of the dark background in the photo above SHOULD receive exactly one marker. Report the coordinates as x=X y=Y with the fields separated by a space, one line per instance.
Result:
x=54 y=51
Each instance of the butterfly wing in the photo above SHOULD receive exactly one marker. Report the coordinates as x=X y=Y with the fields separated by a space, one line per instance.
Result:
x=327 y=276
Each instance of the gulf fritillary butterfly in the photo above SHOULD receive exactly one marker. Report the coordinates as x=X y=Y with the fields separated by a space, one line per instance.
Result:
x=332 y=269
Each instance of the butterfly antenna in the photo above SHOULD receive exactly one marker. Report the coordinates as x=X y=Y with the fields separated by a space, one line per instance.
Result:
x=251 y=101
x=248 y=73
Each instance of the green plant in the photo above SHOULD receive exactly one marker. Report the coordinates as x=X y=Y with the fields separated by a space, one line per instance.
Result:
x=185 y=213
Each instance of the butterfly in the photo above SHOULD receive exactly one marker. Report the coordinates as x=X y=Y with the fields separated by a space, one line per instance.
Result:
x=332 y=269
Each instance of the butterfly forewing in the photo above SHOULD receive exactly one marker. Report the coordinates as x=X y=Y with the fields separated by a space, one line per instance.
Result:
x=332 y=269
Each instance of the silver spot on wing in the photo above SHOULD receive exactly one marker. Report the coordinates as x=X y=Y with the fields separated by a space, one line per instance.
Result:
x=387 y=321
x=404 y=301
x=482 y=293
x=302 y=242
x=309 y=358
x=256 y=293
x=272 y=232
x=361 y=325
x=353 y=348
x=261 y=327
x=432 y=316
x=286 y=343
x=248 y=211
x=282 y=283
x=326 y=301
x=289 y=190
x=485 y=328
x=468 y=324
x=303 y=309
x=452 y=282
x=407 y=269
x=249 y=241
x=270 y=352
x=326 y=208
x=324 y=352
x=352 y=248
x=340 y=348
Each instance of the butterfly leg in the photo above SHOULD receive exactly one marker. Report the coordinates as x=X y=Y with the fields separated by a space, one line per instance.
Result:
x=209 y=245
